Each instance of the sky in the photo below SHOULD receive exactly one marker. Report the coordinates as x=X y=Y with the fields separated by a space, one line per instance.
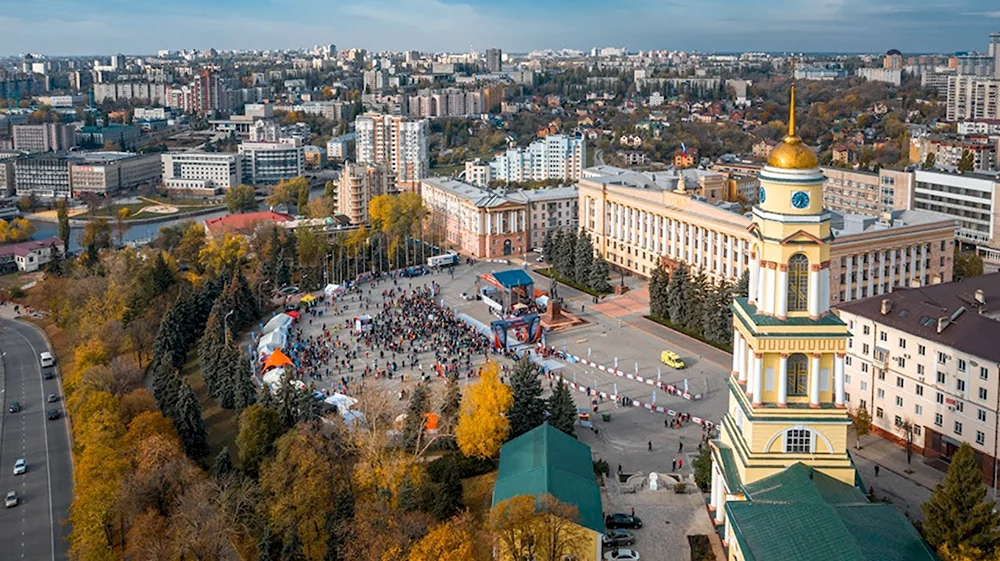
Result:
x=80 y=27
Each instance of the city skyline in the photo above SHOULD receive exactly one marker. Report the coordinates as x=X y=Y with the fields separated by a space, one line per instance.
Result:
x=57 y=27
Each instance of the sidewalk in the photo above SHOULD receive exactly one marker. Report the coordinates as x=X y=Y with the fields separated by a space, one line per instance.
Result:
x=906 y=486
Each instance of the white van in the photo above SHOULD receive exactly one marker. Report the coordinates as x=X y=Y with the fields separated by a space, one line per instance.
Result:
x=46 y=359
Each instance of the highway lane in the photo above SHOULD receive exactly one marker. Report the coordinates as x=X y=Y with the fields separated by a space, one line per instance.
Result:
x=35 y=529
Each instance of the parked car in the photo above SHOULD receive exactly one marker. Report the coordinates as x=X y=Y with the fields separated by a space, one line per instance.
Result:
x=622 y=520
x=46 y=359
x=48 y=375
x=52 y=414
x=622 y=555
x=14 y=407
x=288 y=290
x=20 y=466
x=52 y=398
x=11 y=500
x=617 y=538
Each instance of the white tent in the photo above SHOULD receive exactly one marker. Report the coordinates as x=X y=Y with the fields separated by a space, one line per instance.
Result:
x=341 y=402
x=271 y=342
x=333 y=290
x=278 y=322
x=272 y=378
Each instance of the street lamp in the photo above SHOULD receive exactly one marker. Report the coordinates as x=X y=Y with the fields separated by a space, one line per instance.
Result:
x=225 y=322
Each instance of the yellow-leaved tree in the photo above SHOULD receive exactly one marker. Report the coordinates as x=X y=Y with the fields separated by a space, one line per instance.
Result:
x=483 y=425
x=458 y=539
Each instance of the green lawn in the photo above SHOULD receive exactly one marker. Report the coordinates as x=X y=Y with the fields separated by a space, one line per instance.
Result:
x=112 y=211
x=222 y=425
x=666 y=323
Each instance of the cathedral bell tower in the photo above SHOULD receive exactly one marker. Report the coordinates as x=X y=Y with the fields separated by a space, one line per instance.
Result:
x=786 y=402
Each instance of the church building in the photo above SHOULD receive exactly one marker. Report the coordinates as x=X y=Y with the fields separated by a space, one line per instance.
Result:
x=783 y=483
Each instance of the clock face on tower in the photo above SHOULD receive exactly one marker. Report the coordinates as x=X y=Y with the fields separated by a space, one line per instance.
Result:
x=763 y=195
x=800 y=199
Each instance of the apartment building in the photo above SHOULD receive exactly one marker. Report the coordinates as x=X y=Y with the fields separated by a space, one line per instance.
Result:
x=949 y=149
x=446 y=103
x=124 y=136
x=987 y=127
x=398 y=141
x=47 y=137
x=267 y=163
x=7 y=173
x=639 y=221
x=358 y=185
x=887 y=75
x=477 y=172
x=557 y=156
x=494 y=60
x=971 y=97
x=862 y=192
x=924 y=362
x=201 y=173
x=107 y=173
x=969 y=198
x=155 y=93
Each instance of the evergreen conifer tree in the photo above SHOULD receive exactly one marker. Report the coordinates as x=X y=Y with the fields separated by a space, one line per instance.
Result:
x=223 y=465
x=557 y=246
x=698 y=298
x=658 y=293
x=718 y=325
x=416 y=410
x=306 y=405
x=583 y=261
x=528 y=409
x=677 y=292
x=244 y=391
x=189 y=425
x=166 y=387
x=598 y=280
x=957 y=513
x=549 y=246
x=562 y=409
x=267 y=547
x=743 y=285
x=291 y=550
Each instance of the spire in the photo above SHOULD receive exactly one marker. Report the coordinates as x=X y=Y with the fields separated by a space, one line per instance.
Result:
x=791 y=110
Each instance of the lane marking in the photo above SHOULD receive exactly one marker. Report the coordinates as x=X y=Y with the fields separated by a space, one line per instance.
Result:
x=45 y=432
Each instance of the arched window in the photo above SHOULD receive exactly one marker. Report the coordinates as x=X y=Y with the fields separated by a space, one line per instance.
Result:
x=798 y=375
x=798 y=283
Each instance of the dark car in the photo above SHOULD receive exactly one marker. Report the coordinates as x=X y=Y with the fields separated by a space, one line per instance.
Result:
x=617 y=537
x=48 y=375
x=622 y=520
x=14 y=407
x=415 y=271
x=53 y=414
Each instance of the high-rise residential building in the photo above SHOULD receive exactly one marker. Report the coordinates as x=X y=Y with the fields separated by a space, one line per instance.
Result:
x=359 y=184
x=893 y=60
x=151 y=92
x=782 y=450
x=267 y=163
x=557 y=156
x=972 y=97
x=201 y=172
x=47 y=137
x=209 y=94
x=927 y=358
x=398 y=141
x=494 y=60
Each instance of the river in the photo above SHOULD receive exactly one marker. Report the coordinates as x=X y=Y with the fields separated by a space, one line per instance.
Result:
x=135 y=232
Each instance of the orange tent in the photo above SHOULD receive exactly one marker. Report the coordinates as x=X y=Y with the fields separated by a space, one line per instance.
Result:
x=277 y=359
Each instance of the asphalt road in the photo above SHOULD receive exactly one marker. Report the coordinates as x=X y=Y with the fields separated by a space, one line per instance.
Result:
x=35 y=529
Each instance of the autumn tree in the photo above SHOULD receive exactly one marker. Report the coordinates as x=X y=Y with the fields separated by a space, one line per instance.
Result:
x=527 y=410
x=483 y=425
x=62 y=216
x=286 y=192
x=967 y=264
x=957 y=513
x=562 y=409
x=223 y=255
x=240 y=199
x=300 y=485
x=862 y=425
x=544 y=529
x=458 y=539
x=259 y=427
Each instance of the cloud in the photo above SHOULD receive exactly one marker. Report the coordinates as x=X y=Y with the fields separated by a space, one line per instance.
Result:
x=983 y=14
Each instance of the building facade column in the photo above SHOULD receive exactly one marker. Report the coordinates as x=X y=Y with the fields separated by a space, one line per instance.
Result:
x=720 y=500
x=709 y=247
x=848 y=283
x=838 y=379
x=782 y=308
x=923 y=263
x=768 y=295
x=737 y=341
x=892 y=270
x=744 y=351
x=673 y=238
x=754 y=267
x=729 y=256
x=783 y=380
x=713 y=502
x=871 y=273
x=814 y=290
x=814 y=374
x=758 y=378
x=881 y=272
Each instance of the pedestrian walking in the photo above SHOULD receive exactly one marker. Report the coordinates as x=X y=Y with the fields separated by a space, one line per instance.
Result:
x=673 y=465
x=876 y=470
x=680 y=447
x=680 y=464
x=633 y=512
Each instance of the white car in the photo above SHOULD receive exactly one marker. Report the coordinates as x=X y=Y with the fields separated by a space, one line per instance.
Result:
x=11 y=500
x=622 y=555
x=20 y=467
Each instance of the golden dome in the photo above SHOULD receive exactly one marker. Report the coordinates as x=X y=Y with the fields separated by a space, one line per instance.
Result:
x=791 y=153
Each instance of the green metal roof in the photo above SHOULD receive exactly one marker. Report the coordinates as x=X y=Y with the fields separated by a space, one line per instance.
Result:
x=545 y=460
x=729 y=469
x=802 y=514
x=826 y=320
